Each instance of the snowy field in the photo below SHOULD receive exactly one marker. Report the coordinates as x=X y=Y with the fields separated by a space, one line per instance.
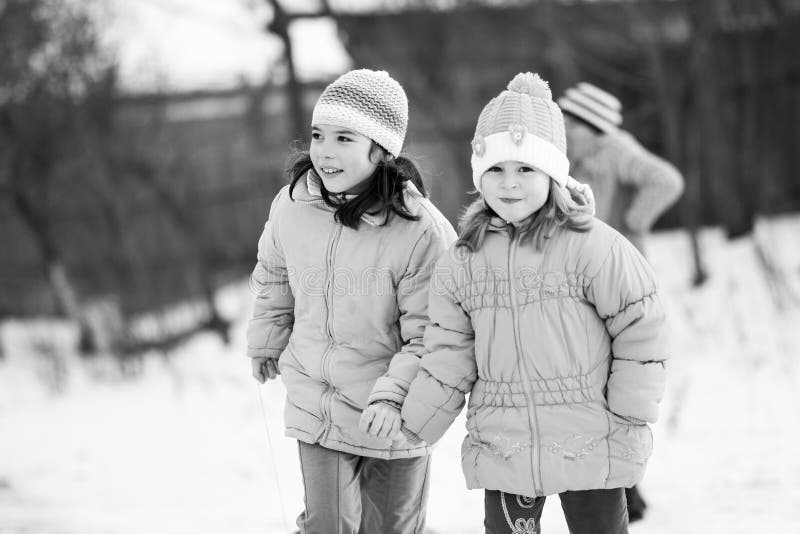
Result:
x=184 y=445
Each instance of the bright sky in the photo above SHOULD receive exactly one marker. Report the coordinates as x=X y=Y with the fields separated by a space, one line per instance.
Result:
x=197 y=44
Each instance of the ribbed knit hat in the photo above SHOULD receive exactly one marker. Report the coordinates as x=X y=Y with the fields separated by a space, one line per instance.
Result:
x=599 y=108
x=521 y=124
x=369 y=102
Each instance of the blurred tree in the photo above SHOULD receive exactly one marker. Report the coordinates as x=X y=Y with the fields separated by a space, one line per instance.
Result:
x=710 y=84
x=51 y=62
x=279 y=25
x=61 y=148
x=670 y=95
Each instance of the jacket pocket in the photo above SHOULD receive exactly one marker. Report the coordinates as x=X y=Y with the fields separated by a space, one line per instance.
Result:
x=628 y=441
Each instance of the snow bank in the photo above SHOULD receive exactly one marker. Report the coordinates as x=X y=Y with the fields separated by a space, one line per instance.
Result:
x=189 y=443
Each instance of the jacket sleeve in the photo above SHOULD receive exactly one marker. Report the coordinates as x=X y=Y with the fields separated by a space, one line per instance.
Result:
x=625 y=296
x=448 y=369
x=273 y=310
x=656 y=182
x=412 y=304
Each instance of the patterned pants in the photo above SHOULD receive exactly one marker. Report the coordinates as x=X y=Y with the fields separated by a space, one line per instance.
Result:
x=601 y=511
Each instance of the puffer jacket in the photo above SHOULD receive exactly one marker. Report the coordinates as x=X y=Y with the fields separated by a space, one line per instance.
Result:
x=562 y=355
x=344 y=312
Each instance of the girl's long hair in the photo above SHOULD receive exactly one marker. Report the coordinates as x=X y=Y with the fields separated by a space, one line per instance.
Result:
x=384 y=195
x=558 y=211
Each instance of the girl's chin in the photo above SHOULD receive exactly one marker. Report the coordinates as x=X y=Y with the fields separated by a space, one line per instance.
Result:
x=513 y=217
x=332 y=184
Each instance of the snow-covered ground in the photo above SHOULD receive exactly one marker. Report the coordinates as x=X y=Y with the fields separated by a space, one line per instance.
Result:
x=191 y=444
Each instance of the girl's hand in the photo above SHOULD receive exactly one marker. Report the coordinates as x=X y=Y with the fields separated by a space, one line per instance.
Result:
x=381 y=420
x=583 y=189
x=265 y=369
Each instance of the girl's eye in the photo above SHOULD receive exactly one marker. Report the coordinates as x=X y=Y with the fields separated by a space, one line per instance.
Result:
x=494 y=168
x=316 y=135
x=526 y=169
x=344 y=139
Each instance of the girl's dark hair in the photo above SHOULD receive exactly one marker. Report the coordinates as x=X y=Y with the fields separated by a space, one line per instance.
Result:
x=557 y=211
x=384 y=195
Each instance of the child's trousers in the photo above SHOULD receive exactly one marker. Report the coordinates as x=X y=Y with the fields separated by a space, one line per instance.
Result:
x=349 y=494
x=601 y=511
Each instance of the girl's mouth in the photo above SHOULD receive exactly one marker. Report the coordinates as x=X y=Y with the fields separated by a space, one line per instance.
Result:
x=509 y=200
x=330 y=171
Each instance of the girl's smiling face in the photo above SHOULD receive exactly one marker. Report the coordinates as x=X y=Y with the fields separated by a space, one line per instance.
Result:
x=341 y=158
x=515 y=190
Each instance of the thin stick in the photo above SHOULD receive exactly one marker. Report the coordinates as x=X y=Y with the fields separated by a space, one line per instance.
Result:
x=272 y=458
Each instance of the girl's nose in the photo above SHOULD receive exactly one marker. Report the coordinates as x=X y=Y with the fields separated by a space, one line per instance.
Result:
x=510 y=181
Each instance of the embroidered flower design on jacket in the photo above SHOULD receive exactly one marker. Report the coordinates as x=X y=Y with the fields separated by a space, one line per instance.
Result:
x=639 y=450
x=506 y=447
x=575 y=447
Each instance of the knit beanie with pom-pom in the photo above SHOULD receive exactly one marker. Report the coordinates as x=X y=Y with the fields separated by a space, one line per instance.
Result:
x=521 y=124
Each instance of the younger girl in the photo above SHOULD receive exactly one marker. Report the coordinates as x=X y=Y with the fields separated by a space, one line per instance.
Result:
x=341 y=285
x=550 y=321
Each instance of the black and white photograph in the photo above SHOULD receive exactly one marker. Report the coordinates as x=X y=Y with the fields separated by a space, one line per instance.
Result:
x=399 y=266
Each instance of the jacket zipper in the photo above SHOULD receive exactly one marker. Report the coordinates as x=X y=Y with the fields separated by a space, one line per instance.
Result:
x=533 y=423
x=327 y=396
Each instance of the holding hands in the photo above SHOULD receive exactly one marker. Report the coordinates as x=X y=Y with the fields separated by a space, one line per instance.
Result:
x=381 y=420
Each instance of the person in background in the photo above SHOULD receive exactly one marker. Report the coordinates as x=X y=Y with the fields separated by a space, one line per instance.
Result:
x=632 y=186
x=341 y=306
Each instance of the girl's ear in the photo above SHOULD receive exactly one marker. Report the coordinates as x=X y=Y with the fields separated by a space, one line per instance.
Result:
x=378 y=154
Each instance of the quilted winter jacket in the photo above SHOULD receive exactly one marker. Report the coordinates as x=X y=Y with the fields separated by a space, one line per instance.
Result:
x=344 y=312
x=562 y=355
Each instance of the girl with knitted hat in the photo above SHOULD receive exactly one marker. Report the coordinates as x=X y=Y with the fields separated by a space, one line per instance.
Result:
x=341 y=286
x=550 y=320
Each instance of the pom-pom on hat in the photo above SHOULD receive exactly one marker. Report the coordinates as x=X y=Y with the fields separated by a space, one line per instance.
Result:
x=521 y=124
x=369 y=102
x=597 y=107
